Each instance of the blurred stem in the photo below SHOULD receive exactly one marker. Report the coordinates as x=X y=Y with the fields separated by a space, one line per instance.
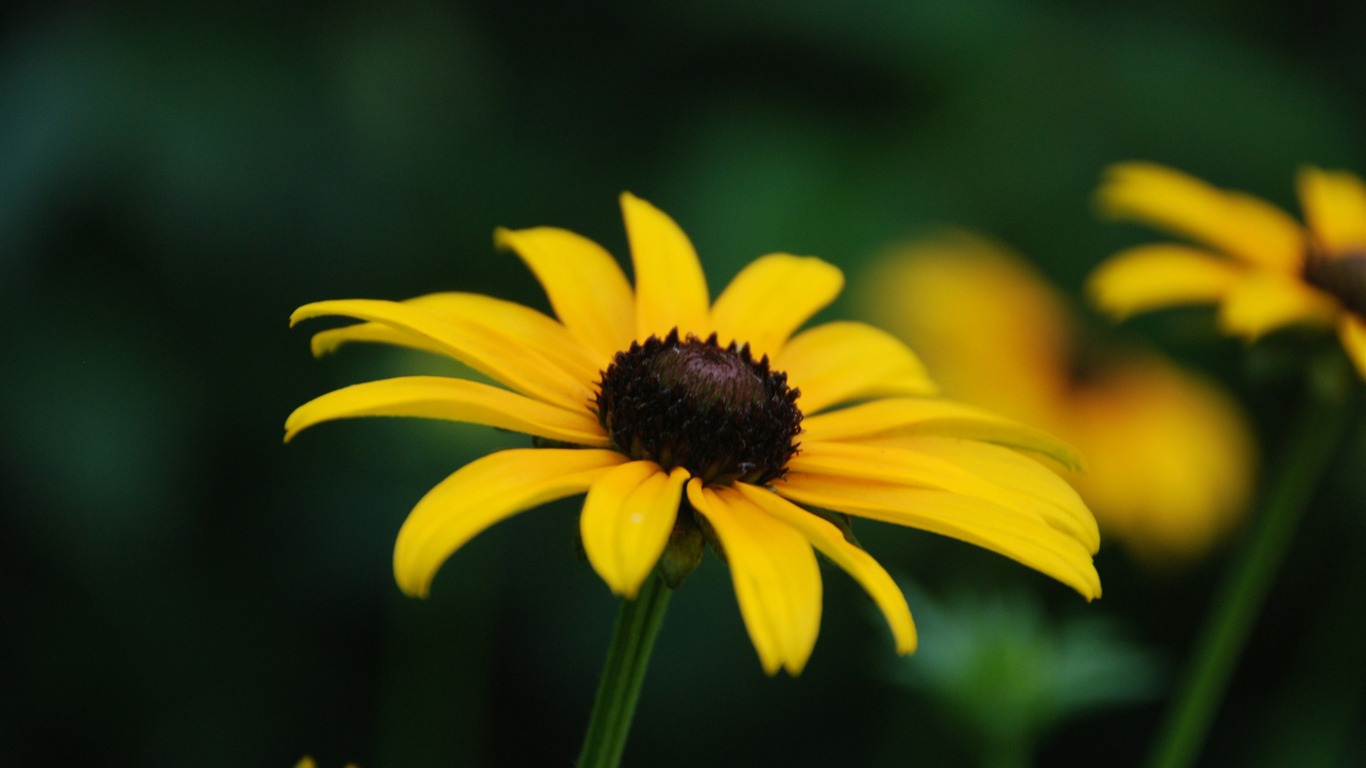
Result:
x=1301 y=466
x=633 y=637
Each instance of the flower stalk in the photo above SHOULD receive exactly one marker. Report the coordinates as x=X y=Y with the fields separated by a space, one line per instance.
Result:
x=628 y=656
x=1307 y=451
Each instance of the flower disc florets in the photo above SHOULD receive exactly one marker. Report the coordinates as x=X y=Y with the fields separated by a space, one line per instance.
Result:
x=1342 y=275
x=712 y=410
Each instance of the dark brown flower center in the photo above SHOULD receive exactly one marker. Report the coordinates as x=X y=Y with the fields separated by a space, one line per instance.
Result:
x=1343 y=275
x=712 y=410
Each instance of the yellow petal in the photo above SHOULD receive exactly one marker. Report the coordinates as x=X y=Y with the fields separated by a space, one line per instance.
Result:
x=514 y=323
x=586 y=287
x=857 y=563
x=440 y=397
x=901 y=417
x=1240 y=225
x=1335 y=207
x=1352 y=332
x=777 y=580
x=506 y=354
x=983 y=471
x=1264 y=301
x=1163 y=275
x=1021 y=537
x=626 y=522
x=771 y=298
x=671 y=290
x=482 y=493
x=842 y=361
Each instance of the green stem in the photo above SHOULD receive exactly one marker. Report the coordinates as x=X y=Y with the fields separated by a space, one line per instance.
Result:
x=1303 y=463
x=633 y=637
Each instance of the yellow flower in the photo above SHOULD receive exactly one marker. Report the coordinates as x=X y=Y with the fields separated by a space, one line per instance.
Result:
x=683 y=419
x=1259 y=265
x=1169 y=456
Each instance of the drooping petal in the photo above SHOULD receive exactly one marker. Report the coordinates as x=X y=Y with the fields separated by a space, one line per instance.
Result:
x=1162 y=275
x=842 y=361
x=777 y=580
x=1264 y=301
x=1242 y=226
x=482 y=493
x=1335 y=207
x=857 y=563
x=671 y=290
x=916 y=416
x=771 y=298
x=1009 y=532
x=441 y=397
x=626 y=521
x=508 y=354
x=586 y=287
x=965 y=467
x=1352 y=332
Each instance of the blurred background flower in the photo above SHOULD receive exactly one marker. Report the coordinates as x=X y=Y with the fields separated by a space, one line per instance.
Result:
x=1170 y=462
x=175 y=178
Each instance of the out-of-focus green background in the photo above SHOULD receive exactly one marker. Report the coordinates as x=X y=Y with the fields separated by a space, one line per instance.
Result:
x=179 y=588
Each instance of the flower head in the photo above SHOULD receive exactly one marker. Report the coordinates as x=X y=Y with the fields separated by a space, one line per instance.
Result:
x=1169 y=456
x=1260 y=266
x=684 y=420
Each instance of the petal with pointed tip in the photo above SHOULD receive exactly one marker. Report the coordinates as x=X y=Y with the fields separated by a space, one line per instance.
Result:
x=586 y=287
x=776 y=577
x=671 y=290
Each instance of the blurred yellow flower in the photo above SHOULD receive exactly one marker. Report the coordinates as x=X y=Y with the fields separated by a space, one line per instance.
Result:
x=1257 y=263
x=1169 y=456
x=681 y=419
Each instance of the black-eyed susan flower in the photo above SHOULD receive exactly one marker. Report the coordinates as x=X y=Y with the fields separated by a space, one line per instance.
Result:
x=1169 y=455
x=1261 y=267
x=683 y=419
